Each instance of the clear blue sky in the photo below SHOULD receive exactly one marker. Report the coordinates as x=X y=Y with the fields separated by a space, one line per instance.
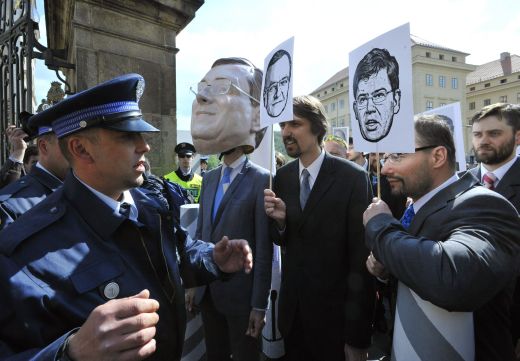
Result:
x=325 y=32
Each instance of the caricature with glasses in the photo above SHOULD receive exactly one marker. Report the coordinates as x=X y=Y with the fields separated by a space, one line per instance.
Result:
x=377 y=95
x=277 y=82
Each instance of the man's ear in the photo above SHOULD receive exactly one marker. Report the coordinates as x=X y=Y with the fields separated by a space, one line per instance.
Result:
x=439 y=156
x=78 y=148
x=42 y=146
x=255 y=121
x=397 y=101
x=517 y=137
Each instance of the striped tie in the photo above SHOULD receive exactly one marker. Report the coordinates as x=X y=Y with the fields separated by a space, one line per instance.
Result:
x=305 y=188
x=489 y=180
x=423 y=331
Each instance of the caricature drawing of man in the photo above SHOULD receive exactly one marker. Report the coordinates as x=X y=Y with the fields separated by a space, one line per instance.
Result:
x=277 y=81
x=376 y=92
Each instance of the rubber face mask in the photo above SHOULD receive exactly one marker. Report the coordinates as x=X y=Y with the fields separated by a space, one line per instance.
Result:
x=223 y=114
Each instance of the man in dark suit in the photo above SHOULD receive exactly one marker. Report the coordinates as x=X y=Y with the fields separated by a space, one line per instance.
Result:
x=496 y=134
x=326 y=295
x=232 y=205
x=43 y=179
x=455 y=255
x=84 y=272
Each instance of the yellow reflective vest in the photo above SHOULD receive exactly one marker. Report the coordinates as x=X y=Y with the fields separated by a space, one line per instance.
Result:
x=192 y=185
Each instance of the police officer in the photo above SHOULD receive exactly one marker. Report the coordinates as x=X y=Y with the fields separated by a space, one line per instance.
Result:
x=203 y=165
x=184 y=175
x=43 y=179
x=84 y=272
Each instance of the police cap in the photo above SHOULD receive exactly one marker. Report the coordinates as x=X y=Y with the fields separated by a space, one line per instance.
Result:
x=112 y=105
x=184 y=149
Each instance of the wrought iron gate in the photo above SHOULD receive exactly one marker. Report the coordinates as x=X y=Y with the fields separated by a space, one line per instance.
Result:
x=17 y=41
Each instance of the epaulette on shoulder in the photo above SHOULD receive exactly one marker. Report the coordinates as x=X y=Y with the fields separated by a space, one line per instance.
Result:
x=13 y=188
x=33 y=221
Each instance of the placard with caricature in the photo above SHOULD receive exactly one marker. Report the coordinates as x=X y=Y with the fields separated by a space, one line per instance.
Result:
x=380 y=92
x=277 y=85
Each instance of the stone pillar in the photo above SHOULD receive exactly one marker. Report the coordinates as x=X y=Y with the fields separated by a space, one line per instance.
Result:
x=107 y=38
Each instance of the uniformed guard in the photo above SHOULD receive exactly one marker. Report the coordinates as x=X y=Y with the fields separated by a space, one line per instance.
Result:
x=184 y=175
x=43 y=179
x=99 y=239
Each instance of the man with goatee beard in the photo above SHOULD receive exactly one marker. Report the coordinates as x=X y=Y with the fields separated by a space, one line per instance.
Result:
x=316 y=206
x=496 y=134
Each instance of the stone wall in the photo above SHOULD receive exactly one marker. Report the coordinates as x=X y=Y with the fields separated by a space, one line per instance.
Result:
x=107 y=38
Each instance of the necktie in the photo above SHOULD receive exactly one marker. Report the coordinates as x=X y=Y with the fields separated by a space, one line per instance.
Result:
x=489 y=180
x=414 y=343
x=124 y=209
x=222 y=187
x=305 y=188
x=407 y=217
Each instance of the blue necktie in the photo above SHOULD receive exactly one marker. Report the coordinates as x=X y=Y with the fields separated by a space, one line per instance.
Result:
x=222 y=186
x=407 y=217
x=305 y=188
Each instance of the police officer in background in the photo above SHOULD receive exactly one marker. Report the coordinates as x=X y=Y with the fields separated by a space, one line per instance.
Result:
x=184 y=175
x=84 y=272
x=45 y=177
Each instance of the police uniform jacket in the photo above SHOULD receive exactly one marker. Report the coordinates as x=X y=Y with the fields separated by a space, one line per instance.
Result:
x=17 y=198
x=71 y=254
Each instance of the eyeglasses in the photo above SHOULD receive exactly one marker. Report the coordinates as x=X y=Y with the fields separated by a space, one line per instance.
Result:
x=378 y=97
x=274 y=86
x=184 y=155
x=219 y=87
x=397 y=157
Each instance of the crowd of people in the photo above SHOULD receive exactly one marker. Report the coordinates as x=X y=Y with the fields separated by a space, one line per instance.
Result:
x=383 y=255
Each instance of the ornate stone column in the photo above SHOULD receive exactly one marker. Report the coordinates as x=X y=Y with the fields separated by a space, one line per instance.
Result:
x=107 y=38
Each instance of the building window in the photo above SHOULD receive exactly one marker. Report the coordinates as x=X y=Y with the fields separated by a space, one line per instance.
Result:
x=487 y=102
x=442 y=104
x=472 y=106
x=332 y=88
x=503 y=99
x=326 y=108
x=342 y=103
x=472 y=89
x=454 y=58
x=442 y=81
x=341 y=85
x=429 y=105
x=503 y=81
x=517 y=98
x=441 y=56
x=487 y=85
x=318 y=95
x=454 y=83
x=429 y=80
x=428 y=54
x=332 y=107
x=325 y=93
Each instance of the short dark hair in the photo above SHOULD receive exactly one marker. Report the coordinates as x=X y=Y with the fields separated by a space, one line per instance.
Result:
x=433 y=130
x=310 y=108
x=277 y=56
x=375 y=60
x=509 y=112
x=254 y=79
x=32 y=150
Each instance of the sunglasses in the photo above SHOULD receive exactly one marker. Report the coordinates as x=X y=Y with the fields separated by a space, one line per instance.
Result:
x=185 y=155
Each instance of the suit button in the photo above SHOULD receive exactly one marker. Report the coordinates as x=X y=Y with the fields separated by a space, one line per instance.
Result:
x=54 y=210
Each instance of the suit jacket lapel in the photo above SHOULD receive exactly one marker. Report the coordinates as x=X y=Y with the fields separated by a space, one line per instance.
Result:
x=509 y=186
x=441 y=200
x=321 y=185
x=231 y=189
